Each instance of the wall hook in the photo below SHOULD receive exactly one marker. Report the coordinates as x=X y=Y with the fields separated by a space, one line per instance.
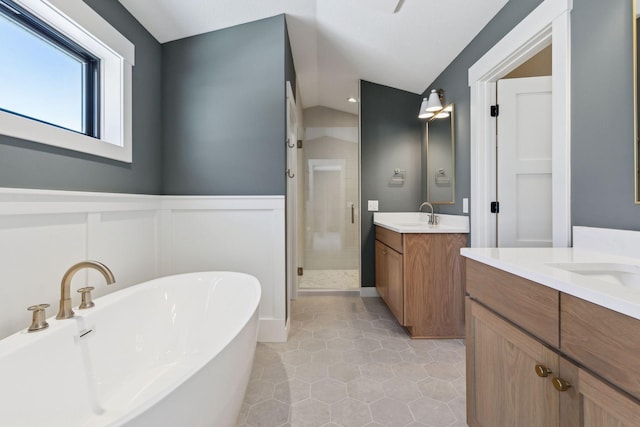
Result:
x=289 y=144
x=289 y=174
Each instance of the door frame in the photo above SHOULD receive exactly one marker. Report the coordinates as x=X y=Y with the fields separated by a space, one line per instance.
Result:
x=291 y=206
x=549 y=23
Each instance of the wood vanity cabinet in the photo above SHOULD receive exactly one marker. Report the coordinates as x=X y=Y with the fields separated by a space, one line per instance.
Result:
x=420 y=276
x=525 y=370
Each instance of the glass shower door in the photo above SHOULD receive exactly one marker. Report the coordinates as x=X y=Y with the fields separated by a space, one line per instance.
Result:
x=331 y=220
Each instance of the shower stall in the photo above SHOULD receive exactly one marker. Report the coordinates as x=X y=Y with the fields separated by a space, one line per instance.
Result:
x=330 y=220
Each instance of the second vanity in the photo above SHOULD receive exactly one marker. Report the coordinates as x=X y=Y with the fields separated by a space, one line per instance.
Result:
x=552 y=334
x=420 y=273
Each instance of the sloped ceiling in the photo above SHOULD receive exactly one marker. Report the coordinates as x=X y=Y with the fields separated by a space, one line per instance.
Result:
x=336 y=43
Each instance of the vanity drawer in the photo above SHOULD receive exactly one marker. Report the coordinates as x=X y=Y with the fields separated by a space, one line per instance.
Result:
x=389 y=238
x=531 y=306
x=602 y=340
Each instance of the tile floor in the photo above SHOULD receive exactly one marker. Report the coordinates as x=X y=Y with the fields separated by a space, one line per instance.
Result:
x=348 y=363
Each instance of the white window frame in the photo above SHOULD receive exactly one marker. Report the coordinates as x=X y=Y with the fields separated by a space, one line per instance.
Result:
x=76 y=20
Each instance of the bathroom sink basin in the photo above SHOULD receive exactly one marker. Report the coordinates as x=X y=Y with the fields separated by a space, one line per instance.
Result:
x=627 y=275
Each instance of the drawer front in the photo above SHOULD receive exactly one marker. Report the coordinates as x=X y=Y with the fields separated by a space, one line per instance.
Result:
x=531 y=306
x=389 y=238
x=602 y=340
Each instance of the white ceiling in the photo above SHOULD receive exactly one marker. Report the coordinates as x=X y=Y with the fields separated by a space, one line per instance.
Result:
x=336 y=43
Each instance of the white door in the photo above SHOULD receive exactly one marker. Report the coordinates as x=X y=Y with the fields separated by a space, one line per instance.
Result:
x=292 y=192
x=524 y=163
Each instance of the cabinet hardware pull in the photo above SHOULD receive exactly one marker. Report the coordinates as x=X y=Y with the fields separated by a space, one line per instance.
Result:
x=560 y=384
x=542 y=371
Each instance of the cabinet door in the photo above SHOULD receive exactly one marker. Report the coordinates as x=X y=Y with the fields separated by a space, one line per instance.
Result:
x=395 y=301
x=502 y=386
x=389 y=277
x=590 y=402
x=381 y=280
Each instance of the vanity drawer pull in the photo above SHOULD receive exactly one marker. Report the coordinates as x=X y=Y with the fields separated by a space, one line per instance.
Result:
x=542 y=371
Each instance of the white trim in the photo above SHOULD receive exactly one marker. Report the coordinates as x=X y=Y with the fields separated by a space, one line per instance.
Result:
x=369 y=292
x=80 y=23
x=272 y=330
x=548 y=23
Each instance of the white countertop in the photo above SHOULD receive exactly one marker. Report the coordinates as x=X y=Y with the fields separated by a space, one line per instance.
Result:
x=417 y=222
x=532 y=264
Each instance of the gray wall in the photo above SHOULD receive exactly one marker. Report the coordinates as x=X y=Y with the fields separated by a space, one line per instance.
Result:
x=390 y=137
x=224 y=111
x=26 y=164
x=601 y=138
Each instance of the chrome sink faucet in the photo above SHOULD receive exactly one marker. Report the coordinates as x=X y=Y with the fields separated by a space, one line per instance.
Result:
x=65 y=311
x=432 y=217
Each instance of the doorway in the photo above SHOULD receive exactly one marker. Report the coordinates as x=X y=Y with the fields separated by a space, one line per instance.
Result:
x=550 y=21
x=329 y=170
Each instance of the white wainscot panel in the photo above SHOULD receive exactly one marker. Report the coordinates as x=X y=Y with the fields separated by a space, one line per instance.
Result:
x=232 y=234
x=139 y=237
x=127 y=243
x=35 y=251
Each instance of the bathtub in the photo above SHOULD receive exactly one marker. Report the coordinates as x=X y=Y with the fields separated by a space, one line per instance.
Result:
x=175 y=351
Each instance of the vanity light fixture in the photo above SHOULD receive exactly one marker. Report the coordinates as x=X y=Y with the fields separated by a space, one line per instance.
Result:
x=434 y=103
x=423 y=113
x=432 y=106
x=352 y=99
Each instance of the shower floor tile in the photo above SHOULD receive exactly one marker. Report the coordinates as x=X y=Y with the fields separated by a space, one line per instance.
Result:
x=330 y=279
x=349 y=363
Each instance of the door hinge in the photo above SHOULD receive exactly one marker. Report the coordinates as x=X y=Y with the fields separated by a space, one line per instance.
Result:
x=300 y=271
x=495 y=110
x=495 y=207
x=299 y=143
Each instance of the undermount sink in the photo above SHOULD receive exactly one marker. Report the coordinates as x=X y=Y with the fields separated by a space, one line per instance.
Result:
x=627 y=275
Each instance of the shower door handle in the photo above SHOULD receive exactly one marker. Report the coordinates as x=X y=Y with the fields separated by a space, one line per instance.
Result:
x=352 y=214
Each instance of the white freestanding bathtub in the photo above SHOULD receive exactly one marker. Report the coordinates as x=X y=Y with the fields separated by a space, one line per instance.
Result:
x=175 y=351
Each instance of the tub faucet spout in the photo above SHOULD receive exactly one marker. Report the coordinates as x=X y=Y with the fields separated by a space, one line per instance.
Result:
x=432 y=217
x=65 y=311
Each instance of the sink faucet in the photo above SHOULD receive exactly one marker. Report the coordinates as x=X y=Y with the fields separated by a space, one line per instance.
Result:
x=65 y=311
x=432 y=217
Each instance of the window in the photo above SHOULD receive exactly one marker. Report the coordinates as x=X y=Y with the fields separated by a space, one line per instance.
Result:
x=65 y=77
x=44 y=75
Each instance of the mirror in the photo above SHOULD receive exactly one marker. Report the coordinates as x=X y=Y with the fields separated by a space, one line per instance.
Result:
x=441 y=171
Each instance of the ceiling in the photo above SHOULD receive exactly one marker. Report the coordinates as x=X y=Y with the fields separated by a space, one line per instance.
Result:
x=336 y=43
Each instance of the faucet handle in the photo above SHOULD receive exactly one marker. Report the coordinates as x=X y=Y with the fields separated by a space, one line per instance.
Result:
x=86 y=297
x=38 y=321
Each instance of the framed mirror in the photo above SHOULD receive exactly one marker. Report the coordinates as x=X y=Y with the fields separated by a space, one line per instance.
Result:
x=441 y=172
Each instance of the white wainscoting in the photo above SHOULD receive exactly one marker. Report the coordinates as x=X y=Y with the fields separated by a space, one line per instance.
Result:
x=140 y=237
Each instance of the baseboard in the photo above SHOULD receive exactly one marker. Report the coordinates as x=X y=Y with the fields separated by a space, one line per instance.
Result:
x=369 y=292
x=272 y=330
